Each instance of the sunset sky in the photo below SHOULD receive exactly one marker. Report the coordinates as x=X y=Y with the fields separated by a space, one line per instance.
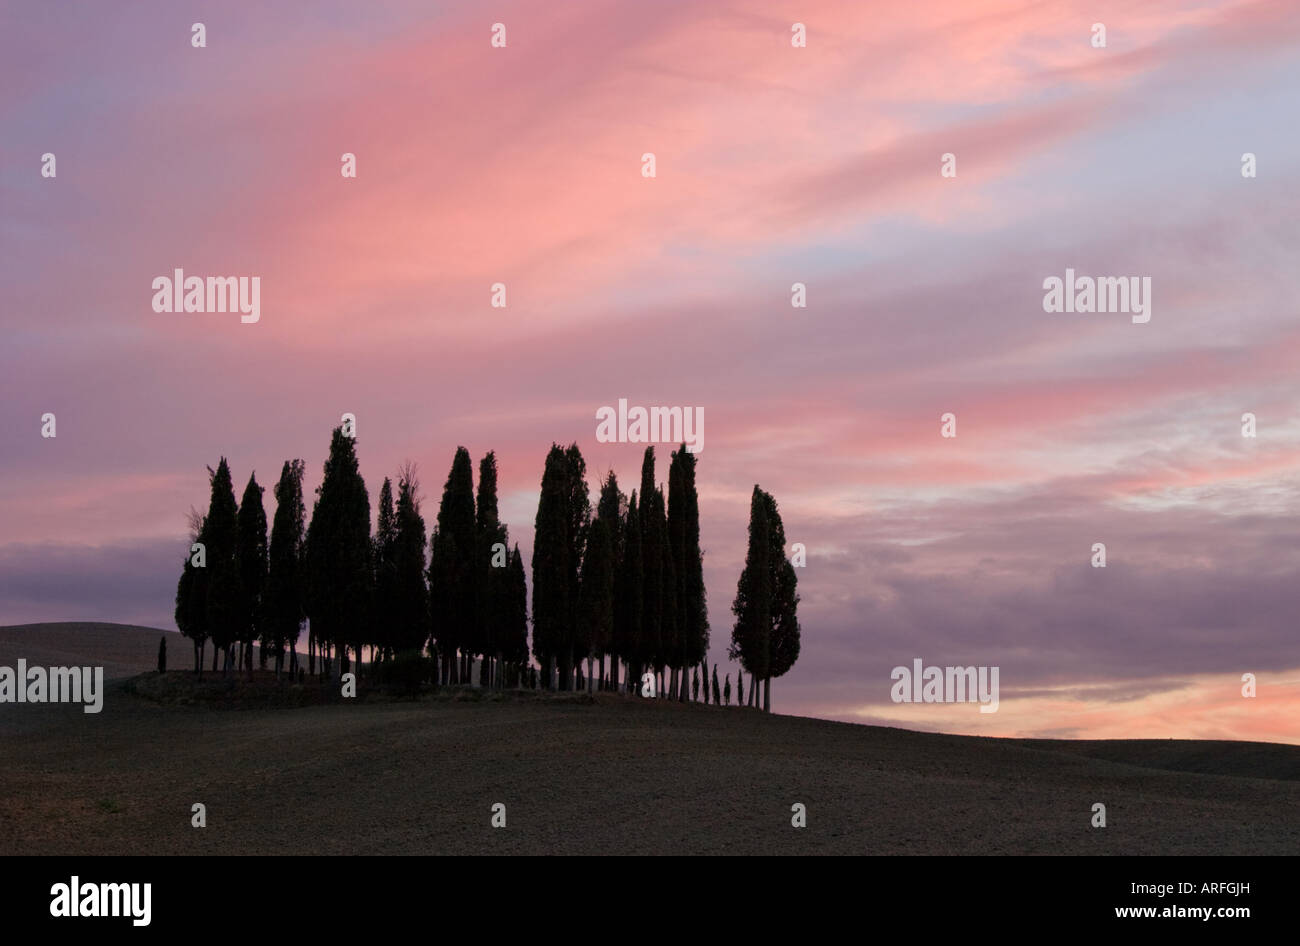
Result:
x=775 y=165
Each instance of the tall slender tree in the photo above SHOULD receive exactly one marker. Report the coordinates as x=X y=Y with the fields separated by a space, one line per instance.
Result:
x=451 y=570
x=653 y=559
x=766 y=634
x=515 y=638
x=596 y=596
x=252 y=555
x=688 y=560
x=192 y=592
x=385 y=571
x=284 y=603
x=338 y=552
x=225 y=594
x=611 y=509
x=409 y=610
x=491 y=564
x=751 y=636
x=628 y=595
x=579 y=513
x=552 y=603
x=783 y=649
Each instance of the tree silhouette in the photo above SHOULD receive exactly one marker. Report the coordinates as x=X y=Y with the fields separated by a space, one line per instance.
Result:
x=284 y=602
x=252 y=554
x=192 y=595
x=338 y=554
x=451 y=570
x=688 y=560
x=225 y=595
x=409 y=609
x=596 y=594
x=611 y=509
x=628 y=596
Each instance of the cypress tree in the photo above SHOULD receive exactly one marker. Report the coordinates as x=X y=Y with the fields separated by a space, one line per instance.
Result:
x=628 y=595
x=717 y=694
x=385 y=572
x=492 y=571
x=740 y=687
x=653 y=558
x=784 y=646
x=409 y=609
x=451 y=570
x=338 y=553
x=225 y=595
x=596 y=594
x=515 y=639
x=579 y=515
x=611 y=508
x=552 y=606
x=284 y=602
x=252 y=554
x=192 y=595
x=670 y=637
x=726 y=693
x=751 y=637
x=688 y=559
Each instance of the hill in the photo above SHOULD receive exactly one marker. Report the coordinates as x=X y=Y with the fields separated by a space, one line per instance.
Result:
x=618 y=775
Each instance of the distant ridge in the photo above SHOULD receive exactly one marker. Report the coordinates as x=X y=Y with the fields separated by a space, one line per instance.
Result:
x=123 y=650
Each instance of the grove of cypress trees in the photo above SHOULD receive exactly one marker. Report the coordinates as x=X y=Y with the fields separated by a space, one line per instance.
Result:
x=284 y=602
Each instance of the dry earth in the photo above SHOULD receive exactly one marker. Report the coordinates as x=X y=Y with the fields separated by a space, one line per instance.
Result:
x=616 y=776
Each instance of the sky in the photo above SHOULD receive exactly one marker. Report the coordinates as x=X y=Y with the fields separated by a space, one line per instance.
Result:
x=775 y=164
